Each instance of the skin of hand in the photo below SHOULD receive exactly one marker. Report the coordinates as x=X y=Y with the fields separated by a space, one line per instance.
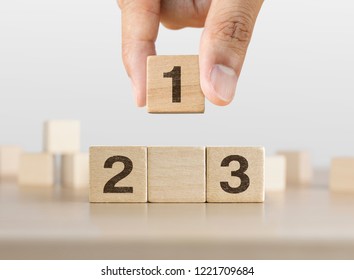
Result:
x=228 y=27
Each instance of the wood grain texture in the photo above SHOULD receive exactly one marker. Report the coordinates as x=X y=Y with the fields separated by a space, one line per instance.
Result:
x=275 y=173
x=223 y=168
x=9 y=161
x=136 y=179
x=298 y=168
x=36 y=169
x=62 y=136
x=75 y=170
x=342 y=174
x=159 y=88
x=176 y=174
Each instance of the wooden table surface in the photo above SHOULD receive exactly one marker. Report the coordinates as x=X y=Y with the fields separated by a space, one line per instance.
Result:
x=55 y=223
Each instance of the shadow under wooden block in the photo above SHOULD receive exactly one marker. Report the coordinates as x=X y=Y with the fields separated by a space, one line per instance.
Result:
x=118 y=174
x=173 y=84
x=36 y=169
x=298 y=168
x=126 y=220
x=175 y=218
x=75 y=170
x=236 y=220
x=9 y=162
x=342 y=174
x=275 y=173
x=235 y=174
x=62 y=136
x=176 y=174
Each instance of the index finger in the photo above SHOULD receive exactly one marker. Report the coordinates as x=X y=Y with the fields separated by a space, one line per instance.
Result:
x=140 y=24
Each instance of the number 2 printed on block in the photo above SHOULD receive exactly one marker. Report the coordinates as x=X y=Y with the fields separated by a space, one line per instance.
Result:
x=118 y=174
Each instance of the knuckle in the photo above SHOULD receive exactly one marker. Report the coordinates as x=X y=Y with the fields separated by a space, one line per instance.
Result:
x=144 y=7
x=123 y=2
x=235 y=31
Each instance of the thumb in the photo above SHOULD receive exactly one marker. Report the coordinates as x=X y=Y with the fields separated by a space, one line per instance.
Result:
x=225 y=39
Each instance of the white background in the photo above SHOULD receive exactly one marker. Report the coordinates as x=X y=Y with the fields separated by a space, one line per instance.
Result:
x=61 y=60
x=89 y=270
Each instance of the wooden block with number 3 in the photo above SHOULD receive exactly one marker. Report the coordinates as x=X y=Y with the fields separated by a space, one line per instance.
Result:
x=235 y=174
x=173 y=84
x=118 y=174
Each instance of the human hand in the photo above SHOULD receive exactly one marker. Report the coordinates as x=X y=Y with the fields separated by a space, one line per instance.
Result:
x=228 y=27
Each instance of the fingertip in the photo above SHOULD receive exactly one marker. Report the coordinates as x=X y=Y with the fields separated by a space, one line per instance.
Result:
x=139 y=94
x=140 y=101
x=135 y=61
x=140 y=24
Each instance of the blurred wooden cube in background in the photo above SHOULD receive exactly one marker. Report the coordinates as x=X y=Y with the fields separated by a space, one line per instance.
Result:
x=275 y=173
x=36 y=169
x=75 y=170
x=62 y=136
x=342 y=174
x=9 y=161
x=299 y=170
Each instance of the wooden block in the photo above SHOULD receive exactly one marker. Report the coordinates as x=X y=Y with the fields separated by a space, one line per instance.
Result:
x=173 y=84
x=342 y=174
x=36 y=169
x=75 y=170
x=118 y=174
x=62 y=136
x=235 y=174
x=275 y=173
x=176 y=174
x=9 y=161
x=298 y=168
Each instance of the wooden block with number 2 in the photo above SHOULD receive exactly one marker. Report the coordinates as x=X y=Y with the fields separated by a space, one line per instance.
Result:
x=173 y=84
x=118 y=174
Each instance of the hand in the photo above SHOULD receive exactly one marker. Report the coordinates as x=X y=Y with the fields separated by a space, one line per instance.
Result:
x=228 y=26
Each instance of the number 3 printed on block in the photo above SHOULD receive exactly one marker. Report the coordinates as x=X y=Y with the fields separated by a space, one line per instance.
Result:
x=240 y=173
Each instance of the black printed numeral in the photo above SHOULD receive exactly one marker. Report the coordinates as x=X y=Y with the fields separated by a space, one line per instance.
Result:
x=110 y=186
x=175 y=74
x=240 y=173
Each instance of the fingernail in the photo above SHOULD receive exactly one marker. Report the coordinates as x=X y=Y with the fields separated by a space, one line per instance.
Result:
x=224 y=81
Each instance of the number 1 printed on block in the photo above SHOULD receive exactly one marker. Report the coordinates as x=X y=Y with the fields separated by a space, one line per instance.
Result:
x=183 y=93
x=175 y=74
